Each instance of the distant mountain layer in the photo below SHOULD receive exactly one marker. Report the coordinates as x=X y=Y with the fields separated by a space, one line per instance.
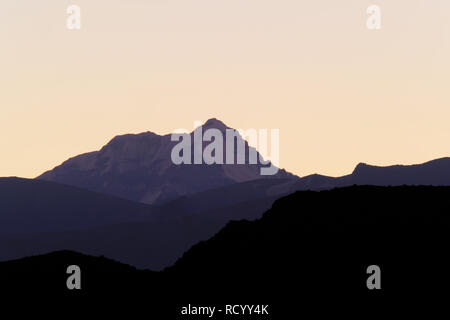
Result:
x=40 y=206
x=38 y=217
x=139 y=167
x=432 y=173
x=312 y=248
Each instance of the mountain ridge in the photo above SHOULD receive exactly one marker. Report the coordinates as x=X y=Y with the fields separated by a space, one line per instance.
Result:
x=435 y=172
x=138 y=167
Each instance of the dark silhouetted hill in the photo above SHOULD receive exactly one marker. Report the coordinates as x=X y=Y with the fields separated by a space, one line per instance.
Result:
x=310 y=251
x=322 y=241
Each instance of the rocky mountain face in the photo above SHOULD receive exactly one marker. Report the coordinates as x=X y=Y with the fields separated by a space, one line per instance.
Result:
x=139 y=167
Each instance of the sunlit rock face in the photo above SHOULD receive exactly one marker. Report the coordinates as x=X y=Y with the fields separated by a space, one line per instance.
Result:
x=139 y=167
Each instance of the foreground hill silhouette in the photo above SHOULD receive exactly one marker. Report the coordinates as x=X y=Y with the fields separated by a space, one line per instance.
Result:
x=311 y=249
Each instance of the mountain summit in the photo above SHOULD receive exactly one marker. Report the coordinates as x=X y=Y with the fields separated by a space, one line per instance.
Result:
x=214 y=123
x=138 y=167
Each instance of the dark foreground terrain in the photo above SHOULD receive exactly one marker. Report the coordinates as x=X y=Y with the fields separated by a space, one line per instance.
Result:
x=309 y=253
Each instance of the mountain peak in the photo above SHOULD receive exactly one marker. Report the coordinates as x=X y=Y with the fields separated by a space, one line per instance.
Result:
x=361 y=166
x=214 y=123
x=139 y=167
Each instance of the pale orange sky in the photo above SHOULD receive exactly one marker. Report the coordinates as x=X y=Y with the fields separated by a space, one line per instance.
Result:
x=339 y=93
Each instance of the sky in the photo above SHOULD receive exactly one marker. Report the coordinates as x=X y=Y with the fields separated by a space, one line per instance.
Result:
x=339 y=93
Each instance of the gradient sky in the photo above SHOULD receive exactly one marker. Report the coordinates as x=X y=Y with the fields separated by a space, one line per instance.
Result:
x=339 y=93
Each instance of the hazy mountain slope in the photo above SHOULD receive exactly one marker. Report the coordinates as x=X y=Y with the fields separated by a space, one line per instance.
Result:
x=139 y=167
x=39 y=206
x=151 y=244
x=210 y=200
x=39 y=217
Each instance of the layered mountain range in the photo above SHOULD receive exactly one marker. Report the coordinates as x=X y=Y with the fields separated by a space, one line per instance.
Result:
x=130 y=202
